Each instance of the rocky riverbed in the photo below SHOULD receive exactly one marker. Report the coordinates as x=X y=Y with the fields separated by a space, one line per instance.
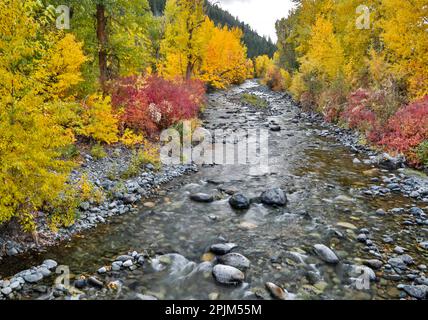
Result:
x=330 y=219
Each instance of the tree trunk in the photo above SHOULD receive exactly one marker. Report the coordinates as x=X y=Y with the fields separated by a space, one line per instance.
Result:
x=102 y=43
x=189 y=70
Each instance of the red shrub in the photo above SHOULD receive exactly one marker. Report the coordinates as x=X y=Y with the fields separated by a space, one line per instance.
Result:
x=358 y=113
x=151 y=104
x=407 y=128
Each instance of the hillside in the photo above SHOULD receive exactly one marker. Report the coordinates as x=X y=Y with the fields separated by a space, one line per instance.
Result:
x=256 y=44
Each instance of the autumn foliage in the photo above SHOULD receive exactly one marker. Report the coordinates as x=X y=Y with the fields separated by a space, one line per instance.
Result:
x=407 y=129
x=150 y=104
x=363 y=65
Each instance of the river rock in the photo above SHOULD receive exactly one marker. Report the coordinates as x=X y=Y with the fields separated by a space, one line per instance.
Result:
x=400 y=262
x=6 y=291
x=202 y=197
x=102 y=270
x=326 y=254
x=389 y=162
x=274 y=197
x=374 y=263
x=95 y=282
x=418 y=292
x=275 y=128
x=276 y=291
x=116 y=266
x=80 y=283
x=33 y=277
x=363 y=271
x=222 y=248
x=236 y=260
x=239 y=201
x=50 y=264
x=127 y=263
x=228 y=275
x=124 y=258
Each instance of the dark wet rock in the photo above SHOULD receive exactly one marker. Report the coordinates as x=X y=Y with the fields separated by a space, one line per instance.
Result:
x=222 y=248
x=202 y=197
x=276 y=291
x=228 y=275
x=274 y=197
x=236 y=260
x=239 y=201
x=418 y=292
x=95 y=282
x=80 y=283
x=275 y=128
x=389 y=162
x=326 y=254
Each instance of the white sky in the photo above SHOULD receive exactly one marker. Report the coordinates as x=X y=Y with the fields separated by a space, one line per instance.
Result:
x=259 y=14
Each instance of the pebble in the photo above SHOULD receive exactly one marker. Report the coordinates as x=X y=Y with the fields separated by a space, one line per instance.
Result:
x=236 y=260
x=223 y=248
x=362 y=237
x=374 y=263
x=202 y=197
x=102 y=270
x=276 y=291
x=116 y=266
x=128 y=264
x=399 y=250
x=228 y=275
x=326 y=254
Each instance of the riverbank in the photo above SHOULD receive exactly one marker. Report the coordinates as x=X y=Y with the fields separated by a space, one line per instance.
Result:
x=121 y=197
x=313 y=247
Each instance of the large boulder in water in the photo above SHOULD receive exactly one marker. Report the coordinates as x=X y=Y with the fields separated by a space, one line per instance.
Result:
x=274 y=197
x=239 y=201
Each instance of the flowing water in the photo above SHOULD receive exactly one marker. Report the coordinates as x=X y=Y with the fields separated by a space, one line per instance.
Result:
x=323 y=187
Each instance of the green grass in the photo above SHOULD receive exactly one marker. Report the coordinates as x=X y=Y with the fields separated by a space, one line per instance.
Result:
x=254 y=100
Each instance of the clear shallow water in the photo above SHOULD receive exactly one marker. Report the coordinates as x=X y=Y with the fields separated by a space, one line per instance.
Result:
x=320 y=179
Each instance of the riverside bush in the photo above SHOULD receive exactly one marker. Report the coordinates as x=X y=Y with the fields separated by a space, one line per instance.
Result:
x=150 y=104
